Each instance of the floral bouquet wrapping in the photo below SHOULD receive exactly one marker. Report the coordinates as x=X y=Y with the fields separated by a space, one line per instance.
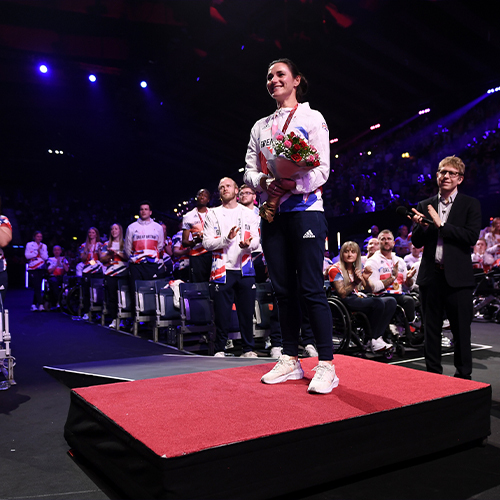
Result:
x=294 y=157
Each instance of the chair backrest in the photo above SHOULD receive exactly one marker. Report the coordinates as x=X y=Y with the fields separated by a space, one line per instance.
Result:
x=196 y=305
x=145 y=292
x=165 y=304
x=264 y=305
x=97 y=291
x=124 y=301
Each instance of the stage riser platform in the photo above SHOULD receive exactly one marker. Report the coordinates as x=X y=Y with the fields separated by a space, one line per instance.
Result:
x=264 y=466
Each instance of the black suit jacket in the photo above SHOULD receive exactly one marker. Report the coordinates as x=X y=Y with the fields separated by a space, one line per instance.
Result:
x=459 y=233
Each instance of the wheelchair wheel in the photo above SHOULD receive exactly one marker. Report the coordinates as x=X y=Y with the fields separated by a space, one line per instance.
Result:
x=341 y=332
x=72 y=301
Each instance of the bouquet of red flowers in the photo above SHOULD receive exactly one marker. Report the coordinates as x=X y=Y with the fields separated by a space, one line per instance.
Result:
x=294 y=157
x=294 y=148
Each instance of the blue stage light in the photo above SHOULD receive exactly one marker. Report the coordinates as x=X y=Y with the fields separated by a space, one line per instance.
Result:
x=92 y=78
x=144 y=84
x=43 y=68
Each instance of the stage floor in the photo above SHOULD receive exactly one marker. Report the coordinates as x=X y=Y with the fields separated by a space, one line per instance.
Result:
x=191 y=427
x=145 y=367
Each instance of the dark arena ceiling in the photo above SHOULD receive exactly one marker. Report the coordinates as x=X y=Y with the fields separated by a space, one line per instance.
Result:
x=205 y=62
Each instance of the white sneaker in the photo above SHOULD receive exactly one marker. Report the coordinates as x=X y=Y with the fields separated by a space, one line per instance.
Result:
x=219 y=354
x=446 y=324
x=324 y=379
x=445 y=341
x=388 y=345
x=287 y=368
x=113 y=324
x=377 y=345
x=276 y=352
x=85 y=317
x=41 y=308
x=249 y=354
x=34 y=308
x=310 y=351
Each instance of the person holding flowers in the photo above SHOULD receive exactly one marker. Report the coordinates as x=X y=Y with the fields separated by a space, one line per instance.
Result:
x=287 y=161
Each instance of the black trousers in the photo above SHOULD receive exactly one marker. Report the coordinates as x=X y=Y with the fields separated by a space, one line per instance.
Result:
x=239 y=290
x=36 y=276
x=111 y=292
x=200 y=268
x=457 y=304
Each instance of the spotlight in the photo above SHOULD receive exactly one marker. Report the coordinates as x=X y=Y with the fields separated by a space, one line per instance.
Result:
x=92 y=78
x=490 y=91
x=43 y=69
x=423 y=111
x=144 y=84
x=373 y=127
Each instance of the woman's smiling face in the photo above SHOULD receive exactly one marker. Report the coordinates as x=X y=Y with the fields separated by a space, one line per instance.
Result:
x=280 y=82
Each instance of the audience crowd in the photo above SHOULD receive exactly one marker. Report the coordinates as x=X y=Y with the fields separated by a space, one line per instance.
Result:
x=395 y=168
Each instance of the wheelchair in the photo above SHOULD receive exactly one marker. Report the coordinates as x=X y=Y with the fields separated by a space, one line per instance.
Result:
x=486 y=296
x=71 y=296
x=351 y=329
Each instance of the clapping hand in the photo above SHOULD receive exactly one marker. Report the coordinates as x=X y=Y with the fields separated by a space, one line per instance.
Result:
x=234 y=231
x=358 y=277
x=411 y=273
x=367 y=272
x=246 y=243
x=395 y=270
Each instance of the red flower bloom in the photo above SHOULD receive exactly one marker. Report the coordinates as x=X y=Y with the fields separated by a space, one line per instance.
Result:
x=296 y=158
x=292 y=134
x=316 y=163
x=296 y=147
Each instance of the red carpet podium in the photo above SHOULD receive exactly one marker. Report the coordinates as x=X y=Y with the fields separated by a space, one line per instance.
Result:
x=223 y=434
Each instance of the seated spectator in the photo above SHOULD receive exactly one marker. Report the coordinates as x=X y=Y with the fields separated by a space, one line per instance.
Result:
x=389 y=273
x=350 y=281
x=115 y=268
x=90 y=252
x=481 y=259
x=492 y=238
x=402 y=242
x=57 y=267
x=414 y=256
x=372 y=246
x=36 y=254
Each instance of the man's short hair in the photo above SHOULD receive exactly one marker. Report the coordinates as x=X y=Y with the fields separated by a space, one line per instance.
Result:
x=146 y=202
x=385 y=231
x=235 y=184
x=246 y=186
x=201 y=191
x=453 y=161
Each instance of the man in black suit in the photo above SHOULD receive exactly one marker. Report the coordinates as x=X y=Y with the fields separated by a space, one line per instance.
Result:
x=445 y=278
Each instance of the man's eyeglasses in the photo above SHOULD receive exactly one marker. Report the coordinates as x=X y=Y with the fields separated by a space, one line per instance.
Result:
x=452 y=175
x=245 y=193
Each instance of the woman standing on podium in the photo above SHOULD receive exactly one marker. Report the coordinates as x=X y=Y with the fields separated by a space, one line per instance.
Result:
x=294 y=242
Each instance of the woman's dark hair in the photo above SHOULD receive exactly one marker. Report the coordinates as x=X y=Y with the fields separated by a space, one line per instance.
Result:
x=35 y=233
x=303 y=85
